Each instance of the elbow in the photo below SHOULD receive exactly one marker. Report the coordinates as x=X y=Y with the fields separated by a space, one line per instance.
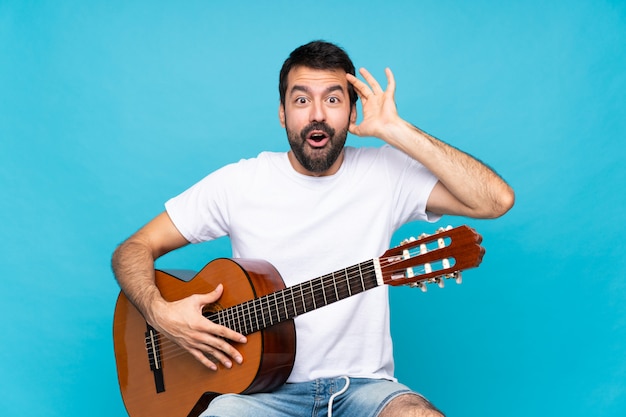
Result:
x=497 y=205
x=503 y=202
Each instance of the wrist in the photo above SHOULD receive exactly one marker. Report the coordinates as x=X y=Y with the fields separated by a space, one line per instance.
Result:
x=402 y=134
x=154 y=307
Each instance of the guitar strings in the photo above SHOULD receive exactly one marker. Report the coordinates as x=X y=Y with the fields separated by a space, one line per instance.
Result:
x=270 y=303
x=167 y=348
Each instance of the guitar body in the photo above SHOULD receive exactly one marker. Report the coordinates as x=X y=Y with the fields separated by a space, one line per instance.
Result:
x=178 y=385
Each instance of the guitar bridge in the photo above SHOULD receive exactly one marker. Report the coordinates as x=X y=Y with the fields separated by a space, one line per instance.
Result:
x=154 y=358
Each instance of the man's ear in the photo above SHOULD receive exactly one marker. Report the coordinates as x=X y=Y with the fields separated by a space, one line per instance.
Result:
x=353 y=114
x=281 y=114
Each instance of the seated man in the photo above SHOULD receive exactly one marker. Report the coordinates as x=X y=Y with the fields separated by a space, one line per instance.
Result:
x=315 y=209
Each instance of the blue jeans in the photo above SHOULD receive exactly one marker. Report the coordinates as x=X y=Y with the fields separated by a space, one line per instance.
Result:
x=360 y=397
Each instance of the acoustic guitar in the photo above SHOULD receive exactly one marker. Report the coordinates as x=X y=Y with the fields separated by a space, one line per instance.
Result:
x=159 y=378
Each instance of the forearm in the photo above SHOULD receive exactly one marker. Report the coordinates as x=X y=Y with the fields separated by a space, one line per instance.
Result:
x=481 y=192
x=133 y=266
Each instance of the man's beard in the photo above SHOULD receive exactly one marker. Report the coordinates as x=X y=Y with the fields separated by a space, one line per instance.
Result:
x=317 y=160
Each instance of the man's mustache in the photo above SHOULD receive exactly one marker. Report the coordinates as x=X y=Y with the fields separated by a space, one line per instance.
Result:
x=321 y=126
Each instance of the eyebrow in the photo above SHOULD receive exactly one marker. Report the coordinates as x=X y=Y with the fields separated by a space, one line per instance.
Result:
x=307 y=90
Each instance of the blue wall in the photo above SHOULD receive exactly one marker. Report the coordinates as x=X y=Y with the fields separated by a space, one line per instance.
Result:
x=109 y=108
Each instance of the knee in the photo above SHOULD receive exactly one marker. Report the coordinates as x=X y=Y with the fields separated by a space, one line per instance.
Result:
x=410 y=405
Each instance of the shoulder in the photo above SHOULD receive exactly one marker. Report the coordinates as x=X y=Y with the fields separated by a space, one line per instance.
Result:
x=383 y=155
x=261 y=162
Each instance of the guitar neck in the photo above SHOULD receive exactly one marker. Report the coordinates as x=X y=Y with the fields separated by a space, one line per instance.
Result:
x=268 y=310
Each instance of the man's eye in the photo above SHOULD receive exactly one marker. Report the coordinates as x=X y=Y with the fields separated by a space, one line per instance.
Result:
x=301 y=100
x=333 y=100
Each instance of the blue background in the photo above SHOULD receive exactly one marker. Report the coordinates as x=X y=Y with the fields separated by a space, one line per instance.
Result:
x=107 y=109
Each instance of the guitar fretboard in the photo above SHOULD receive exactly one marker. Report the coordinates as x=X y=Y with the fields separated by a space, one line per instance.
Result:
x=270 y=309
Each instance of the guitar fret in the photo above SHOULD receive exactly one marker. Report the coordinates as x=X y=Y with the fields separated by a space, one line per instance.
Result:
x=276 y=310
x=328 y=294
x=335 y=286
x=293 y=302
x=253 y=307
x=268 y=310
x=285 y=305
x=320 y=294
x=271 y=307
x=311 y=304
x=303 y=299
x=296 y=301
x=344 y=282
x=225 y=318
x=313 y=295
x=247 y=319
x=250 y=323
x=348 y=281
x=238 y=321
x=362 y=283
x=262 y=312
x=277 y=307
x=233 y=319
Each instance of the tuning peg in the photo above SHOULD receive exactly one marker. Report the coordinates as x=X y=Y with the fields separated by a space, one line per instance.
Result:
x=458 y=277
x=440 y=282
x=421 y=285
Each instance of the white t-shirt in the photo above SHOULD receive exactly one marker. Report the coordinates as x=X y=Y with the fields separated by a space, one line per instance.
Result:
x=308 y=227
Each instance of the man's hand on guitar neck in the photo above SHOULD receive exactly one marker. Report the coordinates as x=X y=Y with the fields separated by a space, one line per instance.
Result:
x=183 y=322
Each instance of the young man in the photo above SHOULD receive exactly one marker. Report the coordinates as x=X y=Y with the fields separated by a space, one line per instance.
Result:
x=316 y=209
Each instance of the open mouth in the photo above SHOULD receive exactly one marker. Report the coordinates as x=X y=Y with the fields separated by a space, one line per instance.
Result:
x=317 y=138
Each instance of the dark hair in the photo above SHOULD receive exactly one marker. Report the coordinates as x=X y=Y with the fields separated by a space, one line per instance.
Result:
x=318 y=55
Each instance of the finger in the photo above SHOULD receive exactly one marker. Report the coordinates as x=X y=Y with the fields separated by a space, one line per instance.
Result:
x=376 y=88
x=203 y=359
x=225 y=351
x=359 y=86
x=221 y=351
x=226 y=333
x=215 y=348
x=210 y=357
x=354 y=129
x=391 y=82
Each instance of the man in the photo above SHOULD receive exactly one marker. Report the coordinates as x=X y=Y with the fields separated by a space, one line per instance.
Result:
x=313 y=210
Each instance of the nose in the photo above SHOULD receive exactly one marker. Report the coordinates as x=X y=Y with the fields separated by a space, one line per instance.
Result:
x=317 y=112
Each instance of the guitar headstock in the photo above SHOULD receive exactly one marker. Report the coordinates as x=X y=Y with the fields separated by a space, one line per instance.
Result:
x=432 y=258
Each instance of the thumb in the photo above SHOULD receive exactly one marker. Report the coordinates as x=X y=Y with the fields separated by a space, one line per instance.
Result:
x=354 y=129
x=210 y=297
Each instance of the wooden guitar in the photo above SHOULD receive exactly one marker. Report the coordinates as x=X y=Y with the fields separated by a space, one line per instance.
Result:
x=159 y=378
